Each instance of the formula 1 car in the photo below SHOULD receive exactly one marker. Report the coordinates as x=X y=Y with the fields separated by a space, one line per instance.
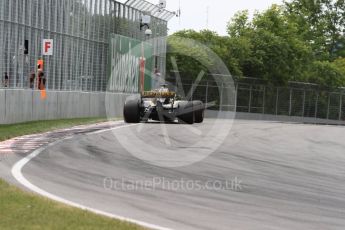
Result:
x=164 y=106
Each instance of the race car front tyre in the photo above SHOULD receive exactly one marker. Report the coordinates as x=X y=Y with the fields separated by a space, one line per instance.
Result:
x=199 y=109
x=131 y=110
x=185 y=112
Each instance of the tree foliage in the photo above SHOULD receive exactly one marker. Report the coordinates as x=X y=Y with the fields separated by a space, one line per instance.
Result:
x=321 y=22
x=302 y=40
x=185 y=54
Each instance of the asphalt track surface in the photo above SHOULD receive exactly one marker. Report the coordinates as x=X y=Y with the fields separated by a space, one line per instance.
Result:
x=290 y=176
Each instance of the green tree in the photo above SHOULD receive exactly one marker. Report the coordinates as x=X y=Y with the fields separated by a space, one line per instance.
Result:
x=326 y=74
x=189 y=58
x=274 y=50
x=321 y=22
x=299 y=41
x=194 y=58
x=340 y=65
x=239 y=25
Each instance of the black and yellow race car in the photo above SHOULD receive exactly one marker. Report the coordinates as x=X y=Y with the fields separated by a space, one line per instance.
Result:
x=164 y=106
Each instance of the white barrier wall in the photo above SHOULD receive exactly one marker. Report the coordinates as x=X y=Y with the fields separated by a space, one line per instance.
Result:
x=266 y=117
x=27 y=105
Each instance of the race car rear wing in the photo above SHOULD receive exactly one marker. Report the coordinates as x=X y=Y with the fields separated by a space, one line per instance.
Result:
x=156 y=94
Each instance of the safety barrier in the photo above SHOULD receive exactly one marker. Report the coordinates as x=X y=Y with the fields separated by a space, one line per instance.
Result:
x=17 y=105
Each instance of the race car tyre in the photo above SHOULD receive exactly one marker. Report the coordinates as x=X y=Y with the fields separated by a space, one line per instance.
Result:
x=185 y=112
x=199 y=110
x=131 y=110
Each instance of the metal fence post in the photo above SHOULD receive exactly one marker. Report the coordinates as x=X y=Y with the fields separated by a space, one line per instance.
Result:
x=329 y=102
x=290 y=103
x=263 y=101
x=340 y=105
x=221 y=98
x=250 y=99
x=316 y=104
x=303 y=107
x=192 y=92
x=206 y=100
x=236 y=95
x=277 y=99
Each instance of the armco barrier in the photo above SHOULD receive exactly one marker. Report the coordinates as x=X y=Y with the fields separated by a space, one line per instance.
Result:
x=213 y=114
x=2 y=106
x=20 y=105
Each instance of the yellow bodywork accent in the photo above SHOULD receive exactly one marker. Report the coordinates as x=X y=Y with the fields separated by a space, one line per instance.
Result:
x=156 y=94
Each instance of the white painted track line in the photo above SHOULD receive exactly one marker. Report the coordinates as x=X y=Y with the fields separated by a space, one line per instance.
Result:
x=18 y=175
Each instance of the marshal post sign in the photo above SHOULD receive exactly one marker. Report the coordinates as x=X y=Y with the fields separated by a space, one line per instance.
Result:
x=47 y=47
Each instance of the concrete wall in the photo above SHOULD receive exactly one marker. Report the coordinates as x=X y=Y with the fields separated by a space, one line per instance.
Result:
x=26 y=105
x=290 y=119
x=267 y=117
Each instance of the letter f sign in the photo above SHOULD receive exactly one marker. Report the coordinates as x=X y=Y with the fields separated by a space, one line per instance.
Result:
x=47 y=48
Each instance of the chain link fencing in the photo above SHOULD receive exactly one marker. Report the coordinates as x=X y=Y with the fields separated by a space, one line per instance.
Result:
x=306 y=102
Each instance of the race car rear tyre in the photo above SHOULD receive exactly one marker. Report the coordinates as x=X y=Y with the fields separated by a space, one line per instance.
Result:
x=199 y=109
x=186 y=113
x=131 y=110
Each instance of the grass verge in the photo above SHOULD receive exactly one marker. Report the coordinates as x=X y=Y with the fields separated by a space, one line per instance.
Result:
x=20 y=129
x=24 y=210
